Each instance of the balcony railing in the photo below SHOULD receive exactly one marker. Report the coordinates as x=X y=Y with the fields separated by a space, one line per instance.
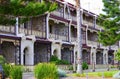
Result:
x=74 y=18
x=32 y=32
x=73 y=39
x=114 y=47
x=92 y=43
x=58 y=37
x=7 y=29
x=57 y=13
x=88 y=23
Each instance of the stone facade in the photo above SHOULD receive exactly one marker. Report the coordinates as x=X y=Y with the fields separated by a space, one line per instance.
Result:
x=55 y=33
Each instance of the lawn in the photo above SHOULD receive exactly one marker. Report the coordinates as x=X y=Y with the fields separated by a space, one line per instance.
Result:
x=95 y=74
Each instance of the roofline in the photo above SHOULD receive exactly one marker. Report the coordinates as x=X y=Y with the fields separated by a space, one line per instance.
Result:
x=74 y=7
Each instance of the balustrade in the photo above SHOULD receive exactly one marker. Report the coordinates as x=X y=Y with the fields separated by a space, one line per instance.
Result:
x=7 y=29
x=58 y=37
x=33 y=32
x=57 y=13
x=92 y=43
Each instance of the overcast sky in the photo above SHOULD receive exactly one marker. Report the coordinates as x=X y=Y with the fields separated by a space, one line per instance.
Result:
x=91 y=5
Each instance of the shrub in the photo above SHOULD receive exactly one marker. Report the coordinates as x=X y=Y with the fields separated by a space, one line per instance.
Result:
x=6 y=69
x=53 y=58
x=61 y=73
x=16 y=72
x=62 y=62
x=46 y=71
x=57 y=61
x=71 y=67
x=84 y=65
x=2 y=60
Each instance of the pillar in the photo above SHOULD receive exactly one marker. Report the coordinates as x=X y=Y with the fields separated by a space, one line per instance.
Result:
x=47 y=26
x=69 y=34
x=17 y=54
x=105 y=56
x=87 y=34
x=93 y=58
x=16 y=26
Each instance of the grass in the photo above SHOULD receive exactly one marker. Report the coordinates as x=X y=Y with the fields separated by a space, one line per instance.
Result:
x=95 y=74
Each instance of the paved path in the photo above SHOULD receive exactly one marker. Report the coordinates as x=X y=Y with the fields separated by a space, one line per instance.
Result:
x=28 y=75
x=85 y=78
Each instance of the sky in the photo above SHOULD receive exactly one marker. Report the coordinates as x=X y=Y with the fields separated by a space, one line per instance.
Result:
x=94 y=6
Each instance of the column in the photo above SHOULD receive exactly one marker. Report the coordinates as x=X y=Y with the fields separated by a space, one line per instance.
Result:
x=81 y=16
x=47 y=25
x=87 y=34
x=22 y=58
x=105 y=56
x=69 y=31
x=75 y=55
x=93 y=57
x=94 y=22
x=64 y=10
x=16 y=26
x=17 y=54
x=0 y=47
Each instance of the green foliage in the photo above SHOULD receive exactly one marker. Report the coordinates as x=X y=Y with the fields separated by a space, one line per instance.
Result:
x=62 y=62
x=57 y=61
x=6 y=69
x=2 y=60
x=24 y=8
x=46 y=71
x=53 y=58
x=61 y=73
x=70 y=67
x=96 y=74
x=117 y=55
x=16 y=72
x=84 y=66
x=110 y=21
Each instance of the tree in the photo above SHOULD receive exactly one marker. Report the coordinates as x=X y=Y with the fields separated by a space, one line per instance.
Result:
x=23 y=9
x=117 y=57
x=79 y=35
x=110 y=21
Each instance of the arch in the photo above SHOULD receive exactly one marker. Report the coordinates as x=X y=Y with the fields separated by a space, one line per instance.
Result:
x=99 y=57
x=55 y=52
x=27 y=56
x=105 y=61
x=8 y=51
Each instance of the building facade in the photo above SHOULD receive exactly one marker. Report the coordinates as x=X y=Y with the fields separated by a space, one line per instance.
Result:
x=55 y=33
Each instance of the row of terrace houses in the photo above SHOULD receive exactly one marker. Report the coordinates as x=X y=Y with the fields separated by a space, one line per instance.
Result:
x=55 y=33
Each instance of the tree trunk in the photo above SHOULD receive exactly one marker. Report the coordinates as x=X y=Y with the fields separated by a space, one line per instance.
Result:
x=79 y=38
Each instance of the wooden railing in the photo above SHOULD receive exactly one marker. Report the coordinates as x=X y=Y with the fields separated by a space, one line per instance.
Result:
x=7 y=29
x=73 y=39
x=31 y=32
x=57 y=13
x=58 y=37
x=92 y=43
x=88 y=23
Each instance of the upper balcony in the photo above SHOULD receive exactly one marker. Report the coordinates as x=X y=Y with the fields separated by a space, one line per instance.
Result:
x=7 y=29
x=58 y=37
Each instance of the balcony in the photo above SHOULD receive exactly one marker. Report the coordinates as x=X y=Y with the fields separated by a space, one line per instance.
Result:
x=32 y=32
x=57 y=13
x=92 y=43
x=88 y=23
x=74 y=18
x=73 y=39
x=7 y=29
x=114 y=47
x=58 y=37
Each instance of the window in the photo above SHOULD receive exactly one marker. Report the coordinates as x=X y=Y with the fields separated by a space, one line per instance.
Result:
x=50 y=29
